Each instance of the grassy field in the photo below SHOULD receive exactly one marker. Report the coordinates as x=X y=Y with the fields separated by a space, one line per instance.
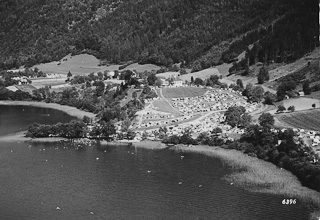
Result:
x=182 y=92
x=309 y=119
x=163 y=106
x=314 y=95
x=203 y=74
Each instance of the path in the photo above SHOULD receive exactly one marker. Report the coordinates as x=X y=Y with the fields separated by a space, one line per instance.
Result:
x=166 y=100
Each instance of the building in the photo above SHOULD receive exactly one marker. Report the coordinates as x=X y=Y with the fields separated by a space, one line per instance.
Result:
x=178 y=82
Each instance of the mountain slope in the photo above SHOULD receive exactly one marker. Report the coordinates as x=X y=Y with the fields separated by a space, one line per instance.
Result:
x=159 y=32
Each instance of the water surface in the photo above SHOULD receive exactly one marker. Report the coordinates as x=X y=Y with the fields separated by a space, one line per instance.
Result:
x=99 y=182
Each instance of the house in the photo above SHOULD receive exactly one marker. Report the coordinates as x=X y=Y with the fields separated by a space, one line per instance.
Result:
x=165 y=82
x=301 y=93
x=178 y=82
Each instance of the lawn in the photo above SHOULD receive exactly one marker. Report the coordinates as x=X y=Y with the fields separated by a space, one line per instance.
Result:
x=309 y=119
x=182 y=92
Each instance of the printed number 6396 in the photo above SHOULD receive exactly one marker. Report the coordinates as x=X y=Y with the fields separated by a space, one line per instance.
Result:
x=289 y=201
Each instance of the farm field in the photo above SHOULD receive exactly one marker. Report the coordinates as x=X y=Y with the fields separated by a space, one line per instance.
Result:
x=309 y=119
x=182 y=92
x=38 y=83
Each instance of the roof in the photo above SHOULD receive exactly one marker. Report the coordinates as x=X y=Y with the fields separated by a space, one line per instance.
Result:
x=178 y=79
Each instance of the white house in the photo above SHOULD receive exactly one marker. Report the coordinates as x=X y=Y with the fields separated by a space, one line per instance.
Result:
x=178 y=82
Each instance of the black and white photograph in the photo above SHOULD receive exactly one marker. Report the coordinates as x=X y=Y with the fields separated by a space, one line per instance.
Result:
x=159 y=110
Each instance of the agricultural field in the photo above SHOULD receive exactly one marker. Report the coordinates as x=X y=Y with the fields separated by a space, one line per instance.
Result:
x=309 y=119
x=39 y=83
x=183 y=92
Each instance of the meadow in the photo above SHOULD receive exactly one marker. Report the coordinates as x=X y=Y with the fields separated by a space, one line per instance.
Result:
x=308 y=119
x=163 y=106
x=203 y=74
x=182 y=92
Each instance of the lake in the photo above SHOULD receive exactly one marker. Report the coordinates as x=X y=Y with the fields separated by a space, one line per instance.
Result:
x=109 y=182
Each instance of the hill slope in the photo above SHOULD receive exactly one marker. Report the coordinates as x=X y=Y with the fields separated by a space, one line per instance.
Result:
x=149 y=31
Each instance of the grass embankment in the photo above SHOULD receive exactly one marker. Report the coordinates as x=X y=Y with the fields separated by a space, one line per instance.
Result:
x=182 y=92
x=308 y=119
x=259 y=176
x=67 y=109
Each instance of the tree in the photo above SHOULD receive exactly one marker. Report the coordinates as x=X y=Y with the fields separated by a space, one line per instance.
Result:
x=314 y=105
x=240 y=83
x=183 y=72
x=281 y=108
x=99 y=88
x=158 y=82
x=284 y=87
x=192 y=80
x=266 y=120
x=69 y=74
x=237 y=116
x=256 y=94
x=152 y=78
x=86 y=119
x=198 y=81
x=263 y=75
x=291 y=108
x=134 y=95
x=306 y=88
x=269 y=98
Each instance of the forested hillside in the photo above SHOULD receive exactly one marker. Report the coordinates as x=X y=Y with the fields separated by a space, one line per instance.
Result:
x=199 y=33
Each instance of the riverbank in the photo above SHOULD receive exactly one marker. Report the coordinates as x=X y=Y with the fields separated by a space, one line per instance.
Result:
x=67 y=109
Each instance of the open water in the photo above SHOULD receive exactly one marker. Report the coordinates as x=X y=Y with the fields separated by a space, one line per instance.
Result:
x=64 y=181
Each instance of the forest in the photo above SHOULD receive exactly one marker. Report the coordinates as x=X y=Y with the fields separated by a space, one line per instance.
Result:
x=197 y=33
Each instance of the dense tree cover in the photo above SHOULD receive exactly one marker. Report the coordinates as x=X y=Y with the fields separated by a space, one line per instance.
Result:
x=283 y=148
x=159 y=32
x=286 y=88
x=269 y=98
x=236 y=116
x=306 y=88
x=253 y=93
x=263 y=75
x=6 y=94
x=74 y=129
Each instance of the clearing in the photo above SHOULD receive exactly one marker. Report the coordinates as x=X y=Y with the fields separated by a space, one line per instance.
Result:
x=183 y=92
x=308 y=119
x=77 y=65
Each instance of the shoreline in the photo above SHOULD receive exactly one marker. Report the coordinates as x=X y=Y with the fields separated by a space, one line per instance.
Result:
x=72 y=111
x=249 y=173
x=20 y=137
